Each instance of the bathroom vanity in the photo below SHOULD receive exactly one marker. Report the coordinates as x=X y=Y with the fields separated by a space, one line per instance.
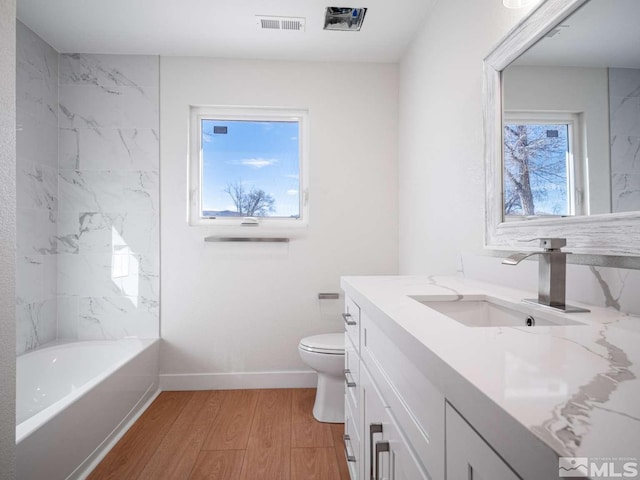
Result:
x=448 y=378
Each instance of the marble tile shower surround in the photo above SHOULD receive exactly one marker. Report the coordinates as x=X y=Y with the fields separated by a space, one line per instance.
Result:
x=108 y=196
x=37 y=189
x=607 y=287
x=624 y=111
x=88 y=195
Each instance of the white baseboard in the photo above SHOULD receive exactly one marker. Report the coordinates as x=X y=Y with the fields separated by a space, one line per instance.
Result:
x=238 y=380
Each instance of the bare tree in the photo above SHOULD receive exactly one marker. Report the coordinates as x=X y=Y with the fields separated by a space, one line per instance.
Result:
x=533 y=164
x=252 y=202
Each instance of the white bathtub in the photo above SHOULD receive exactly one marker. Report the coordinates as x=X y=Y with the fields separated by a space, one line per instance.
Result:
x=74 y=399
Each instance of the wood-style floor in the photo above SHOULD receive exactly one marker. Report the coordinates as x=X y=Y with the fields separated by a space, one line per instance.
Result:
x=228 y=435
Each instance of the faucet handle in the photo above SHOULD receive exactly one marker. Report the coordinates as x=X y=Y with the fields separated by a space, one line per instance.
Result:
x=549 y=243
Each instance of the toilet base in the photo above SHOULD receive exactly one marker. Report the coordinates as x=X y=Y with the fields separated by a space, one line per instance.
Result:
x=329 y=404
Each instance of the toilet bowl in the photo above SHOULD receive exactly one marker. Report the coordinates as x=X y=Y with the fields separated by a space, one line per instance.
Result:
x=325 y=354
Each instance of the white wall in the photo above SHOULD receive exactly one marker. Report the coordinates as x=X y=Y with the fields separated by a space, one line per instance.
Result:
x=7 y=237
x=441 y=171
x=244 y=307
x=575 y=90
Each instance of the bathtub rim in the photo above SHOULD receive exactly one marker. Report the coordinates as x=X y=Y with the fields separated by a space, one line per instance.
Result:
x=33 y=423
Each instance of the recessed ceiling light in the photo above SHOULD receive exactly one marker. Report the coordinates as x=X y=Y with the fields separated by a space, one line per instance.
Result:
x=344 y=18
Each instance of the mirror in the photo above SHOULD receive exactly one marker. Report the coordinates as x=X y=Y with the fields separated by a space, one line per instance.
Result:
x=571 y=115
x=562 y=126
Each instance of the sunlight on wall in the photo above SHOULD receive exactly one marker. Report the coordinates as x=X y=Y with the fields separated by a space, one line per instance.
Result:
x=125 y=267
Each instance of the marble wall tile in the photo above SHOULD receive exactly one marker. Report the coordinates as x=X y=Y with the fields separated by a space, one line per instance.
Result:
x=108 y=149
x=36 y=186
x=36 y=75
x=35 y=325
x=88 y=161
x=36 y=139
x=90 y=107
x=624 y=112
x=625 y=115
x=140 y=107
x=625 y=154
x=624 y=82
x=120 y=273
x=67 y=313
x=114 y=107
x=109 y=70
x=117 y=317
x=625 y=192
x=36 y=232
x=108 y=191
x=30 y=282
x=94 y=232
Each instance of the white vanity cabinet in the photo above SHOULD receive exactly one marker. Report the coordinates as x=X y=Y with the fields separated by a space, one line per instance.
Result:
x=469 y=457
x=399 y=435
x=395 y=417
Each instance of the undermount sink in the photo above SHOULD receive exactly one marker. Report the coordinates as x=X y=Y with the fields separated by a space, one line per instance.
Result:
x=486 y=311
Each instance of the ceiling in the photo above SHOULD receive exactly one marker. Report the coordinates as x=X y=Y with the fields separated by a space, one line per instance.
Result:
x=223 y=28
x=603 y=33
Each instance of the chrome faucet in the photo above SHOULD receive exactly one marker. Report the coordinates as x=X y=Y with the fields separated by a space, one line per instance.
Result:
x=552 y=274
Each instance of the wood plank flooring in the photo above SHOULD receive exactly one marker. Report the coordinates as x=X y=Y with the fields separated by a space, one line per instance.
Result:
x=228 y=435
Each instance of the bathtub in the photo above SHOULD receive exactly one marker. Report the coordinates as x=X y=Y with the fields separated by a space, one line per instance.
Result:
x=74 y=400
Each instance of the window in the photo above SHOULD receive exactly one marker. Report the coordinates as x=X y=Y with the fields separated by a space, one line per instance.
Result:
x=542 y=170
x=248 y=163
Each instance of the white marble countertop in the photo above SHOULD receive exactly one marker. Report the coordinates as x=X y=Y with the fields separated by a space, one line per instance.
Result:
x=576 y=389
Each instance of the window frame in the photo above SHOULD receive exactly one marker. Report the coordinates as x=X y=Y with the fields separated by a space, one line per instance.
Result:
x=577 y=173
x=197 y=113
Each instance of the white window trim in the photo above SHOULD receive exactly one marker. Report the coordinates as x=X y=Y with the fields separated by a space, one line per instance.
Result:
x=578 y=188
x=233 y=225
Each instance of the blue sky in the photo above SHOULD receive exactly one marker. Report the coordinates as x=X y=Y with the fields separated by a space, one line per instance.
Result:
x=260 y=154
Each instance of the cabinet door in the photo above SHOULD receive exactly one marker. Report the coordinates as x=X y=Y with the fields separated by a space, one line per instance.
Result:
x=375 y=423
x=469 y=457
x=352 y=374
x=353 y=451
x=398 y=459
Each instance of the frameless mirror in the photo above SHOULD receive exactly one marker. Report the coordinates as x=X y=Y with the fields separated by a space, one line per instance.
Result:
x=562 y=124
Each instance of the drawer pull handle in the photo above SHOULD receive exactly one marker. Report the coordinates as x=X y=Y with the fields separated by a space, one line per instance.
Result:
x=350 y=383
x=347 y=320
x=380 y=447
x=347 y=441
x=373 y=428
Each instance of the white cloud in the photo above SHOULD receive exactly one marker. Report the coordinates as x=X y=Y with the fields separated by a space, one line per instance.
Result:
x=256 y=162
x=293 y=191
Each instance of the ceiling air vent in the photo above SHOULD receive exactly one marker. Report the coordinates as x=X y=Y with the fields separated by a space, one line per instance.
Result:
x=280 y=23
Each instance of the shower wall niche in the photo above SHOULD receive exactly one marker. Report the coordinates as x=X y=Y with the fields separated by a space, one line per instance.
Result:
x=88 y=219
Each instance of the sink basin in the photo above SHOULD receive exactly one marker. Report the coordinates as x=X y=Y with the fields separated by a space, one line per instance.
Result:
x=486 y=311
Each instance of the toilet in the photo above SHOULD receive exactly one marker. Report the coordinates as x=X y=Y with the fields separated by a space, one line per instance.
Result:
x=325 y=354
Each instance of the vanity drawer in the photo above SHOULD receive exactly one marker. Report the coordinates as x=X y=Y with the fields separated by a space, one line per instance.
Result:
x=419 y=411
x=351 y=318
x=352 y=442
x=352 y=372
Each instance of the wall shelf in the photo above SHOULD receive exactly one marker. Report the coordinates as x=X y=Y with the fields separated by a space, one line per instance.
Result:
x=247 y=239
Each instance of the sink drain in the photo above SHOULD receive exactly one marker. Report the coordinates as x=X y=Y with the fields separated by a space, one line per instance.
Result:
x=531 y=321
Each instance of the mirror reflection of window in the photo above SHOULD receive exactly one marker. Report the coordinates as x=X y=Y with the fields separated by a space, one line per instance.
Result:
x=542 y=172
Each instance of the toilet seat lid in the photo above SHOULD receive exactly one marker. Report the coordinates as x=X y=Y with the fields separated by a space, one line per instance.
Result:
x=331 y=343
